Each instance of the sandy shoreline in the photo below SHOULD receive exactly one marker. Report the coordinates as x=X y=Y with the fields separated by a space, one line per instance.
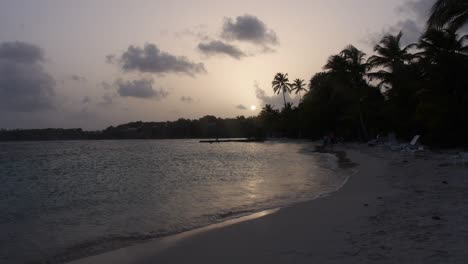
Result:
x=395 y=208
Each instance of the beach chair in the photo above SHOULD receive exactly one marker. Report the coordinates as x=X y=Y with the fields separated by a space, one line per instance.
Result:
x=413 y=145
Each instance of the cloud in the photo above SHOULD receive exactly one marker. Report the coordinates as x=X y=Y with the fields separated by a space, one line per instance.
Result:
x=25 y=86
x=241 y=107
x=412 y=23
x=420 y=9
x=198 y=32
x=21 y=52
x=110 y=58
x=142 y=88
x=86 y=99
x=248 y=28
x=216 y=47
x=275 y=100
x=150 y=59
x=410 y=29
x=107 y=100
x=186 y=99
x=78 y=78
x=105 y=85
x=419 y=12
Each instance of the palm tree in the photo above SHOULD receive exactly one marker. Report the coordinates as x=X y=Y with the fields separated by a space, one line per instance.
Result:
x=349 y=65
x=392 y=58
x=298 y=86
x=268 y=108
x=270 y=117
x=281 y=84
x=443 y=96
x=350 y=62
x=441 y=42
x=448 y=13
x=397 y=71
x=445 y=54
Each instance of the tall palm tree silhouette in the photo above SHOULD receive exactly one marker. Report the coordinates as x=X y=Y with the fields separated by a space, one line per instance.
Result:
x=299 y=85
x=392 y=58
x=441 y=42
x=281 y=84
x=349 y=65
x=445 y=54
x=449 y=13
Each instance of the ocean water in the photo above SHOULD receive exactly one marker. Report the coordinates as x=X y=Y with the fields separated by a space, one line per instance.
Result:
x=68 y=199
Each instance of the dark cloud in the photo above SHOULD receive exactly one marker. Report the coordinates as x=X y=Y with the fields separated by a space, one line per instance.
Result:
x=412 y=22
x=275 y=100
x=418 y=11
x=250 y=29
x=186 y=99
x=25 y=86
x=241 y=107
x=150 y=59
x=410 y=29
x=142 y=88
x=78 y=78
x=216 y=47
x=20 y=52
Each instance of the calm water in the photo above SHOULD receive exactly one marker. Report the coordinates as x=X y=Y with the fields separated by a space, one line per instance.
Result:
x=68 y=199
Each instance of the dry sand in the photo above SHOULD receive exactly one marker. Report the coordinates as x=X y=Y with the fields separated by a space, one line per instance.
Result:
x=396 y=208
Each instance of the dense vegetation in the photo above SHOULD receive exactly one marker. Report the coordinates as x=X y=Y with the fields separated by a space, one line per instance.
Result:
x=418 y=89
x=421 y=89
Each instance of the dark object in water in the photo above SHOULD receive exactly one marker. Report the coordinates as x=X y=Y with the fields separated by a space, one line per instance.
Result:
x=232 y=140
x=436 y=218
x=445 y=182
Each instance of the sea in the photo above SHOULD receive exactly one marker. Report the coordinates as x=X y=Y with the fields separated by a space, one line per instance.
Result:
x=63 y=200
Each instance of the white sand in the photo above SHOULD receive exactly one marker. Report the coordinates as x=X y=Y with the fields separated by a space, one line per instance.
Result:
x=389 y=211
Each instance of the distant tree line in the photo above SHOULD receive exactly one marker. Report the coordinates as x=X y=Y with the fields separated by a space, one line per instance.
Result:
x=205 y=127
x=420 y=89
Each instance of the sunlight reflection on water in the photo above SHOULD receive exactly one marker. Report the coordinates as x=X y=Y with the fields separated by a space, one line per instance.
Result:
x=72 y=196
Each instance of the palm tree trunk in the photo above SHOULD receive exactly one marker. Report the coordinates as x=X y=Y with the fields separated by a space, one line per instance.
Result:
x=300 y=97
x=284 y=99
x=363 y=126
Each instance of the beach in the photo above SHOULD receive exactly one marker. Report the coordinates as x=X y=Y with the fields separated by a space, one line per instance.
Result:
x=395 y=207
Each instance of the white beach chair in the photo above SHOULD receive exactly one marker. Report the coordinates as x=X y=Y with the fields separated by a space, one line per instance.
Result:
x=415 y=140
x=413 y=145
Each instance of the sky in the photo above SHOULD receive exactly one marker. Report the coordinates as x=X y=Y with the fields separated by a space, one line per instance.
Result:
x=97 y=63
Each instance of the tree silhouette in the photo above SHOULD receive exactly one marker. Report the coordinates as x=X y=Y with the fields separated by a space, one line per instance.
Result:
x=350 y=67
x=281 y=84
x=392 y=58
x=299 y=85
x=448 y=13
